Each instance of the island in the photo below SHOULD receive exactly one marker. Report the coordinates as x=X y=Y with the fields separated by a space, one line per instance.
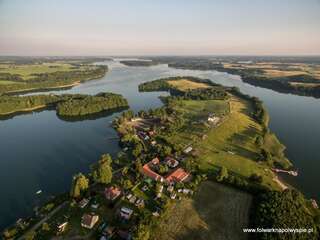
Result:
x=20 y=75
x=202 y=165
x=139 y=63
x=284 y=75
x=66 y=105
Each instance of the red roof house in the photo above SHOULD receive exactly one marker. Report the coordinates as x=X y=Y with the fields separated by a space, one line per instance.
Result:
x=171 y=162
x=89 y=220
x=112 y=193
x=147 y=170
x=178 y=175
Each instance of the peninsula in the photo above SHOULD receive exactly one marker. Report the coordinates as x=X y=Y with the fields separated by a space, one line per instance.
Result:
x=206 y=140
x=300 y=77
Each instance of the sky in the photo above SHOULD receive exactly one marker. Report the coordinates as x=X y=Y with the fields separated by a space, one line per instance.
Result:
x=159 y=27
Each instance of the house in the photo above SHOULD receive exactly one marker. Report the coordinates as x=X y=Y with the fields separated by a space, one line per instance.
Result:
x=213 y=119
x=147 y=170
x=160 y=189
x=173 y=195
x=170 y=188
x=145 y=188
x=62 y=227
x=143 y=136
x=83 y=203
x=171 y=162
x=126 y=213
x=178 y=175
x=89 y=220
x=112 y=193
x=187 y=150
x=108 y=232
x=95 y=205
x=133 y=199
x=151 y=133
x=314 y=204
x=187 y=191
x=156 y=214
x=129 y=196
x=139 y=203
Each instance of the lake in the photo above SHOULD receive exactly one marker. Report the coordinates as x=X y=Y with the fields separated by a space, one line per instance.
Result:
x=40 y=151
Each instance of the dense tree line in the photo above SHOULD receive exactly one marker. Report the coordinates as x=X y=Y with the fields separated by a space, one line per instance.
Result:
x=259 y=111
x=156 y=85
x=81 y=105
x=66 y=104
x=23 y=60
x=10 y=77
x=139 y=63
x=206 y=94
x=195 y=65
x=287 y=209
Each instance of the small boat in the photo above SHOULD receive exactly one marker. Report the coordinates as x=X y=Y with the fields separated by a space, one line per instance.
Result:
x=38 y=192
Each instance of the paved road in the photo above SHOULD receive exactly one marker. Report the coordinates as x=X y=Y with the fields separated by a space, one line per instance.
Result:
x=35 y=227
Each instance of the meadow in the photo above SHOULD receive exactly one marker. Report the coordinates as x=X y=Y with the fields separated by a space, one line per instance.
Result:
x=215 y=212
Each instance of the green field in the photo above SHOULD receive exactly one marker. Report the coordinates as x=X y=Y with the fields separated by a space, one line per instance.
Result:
x=231 y=143
x=185 y=84
x=46 y=75
x=26 y=70
x=216 y=212
x=4 y=82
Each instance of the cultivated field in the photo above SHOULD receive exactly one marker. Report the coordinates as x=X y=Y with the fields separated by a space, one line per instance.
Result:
x=216 y=212
x=26 y=71
x=277 y=69
x=185 y=84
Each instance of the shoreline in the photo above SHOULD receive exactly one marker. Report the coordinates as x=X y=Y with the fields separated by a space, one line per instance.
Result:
x=30 y=90
x=271 y=84
x=25 y=110
x=279 y=183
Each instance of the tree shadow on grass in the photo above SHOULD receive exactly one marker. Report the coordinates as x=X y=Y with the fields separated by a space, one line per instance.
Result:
x=237 y=140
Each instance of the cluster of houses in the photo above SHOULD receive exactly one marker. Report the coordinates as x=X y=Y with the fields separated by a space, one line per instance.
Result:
x=174 y=174
x=90 y=220
x=177 y=174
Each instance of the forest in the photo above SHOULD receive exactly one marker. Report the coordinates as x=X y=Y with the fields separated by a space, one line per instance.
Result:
x=139 y=63
x=81 y=105
x=282 y=210
x=66 y=104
